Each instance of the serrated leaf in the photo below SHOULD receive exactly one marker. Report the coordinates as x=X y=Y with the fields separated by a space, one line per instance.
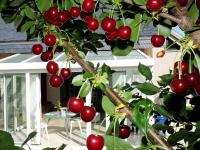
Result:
x=194 y=12
x=85 y=89
x=108 y=106
x=43 y=6
x=29 y=12
x=78 y=80
x=163 y=112
x=148 y=88
x=140 y=2
x=145 y=71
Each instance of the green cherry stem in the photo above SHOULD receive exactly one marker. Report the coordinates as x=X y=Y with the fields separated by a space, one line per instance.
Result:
x=101 y=125
x=81 y=88
x=114 y=132
x=94 y=14
x=121 y=14
x=190 y=63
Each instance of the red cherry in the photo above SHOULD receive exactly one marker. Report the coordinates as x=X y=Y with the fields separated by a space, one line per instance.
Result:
x=112 y=35
x=92 y=23
x=66 y=73
x=124 y=32
x=63 y=16
x=157 y=40
x=59 y=49
x=184 y=67
x=197 y=88
x=154 y=5
x=88 y=113
x=108 y=24
x=124 y=131
x=52 y=13
x=55 y=81
x=193 y=79
x=52 y=67
x=85 y=16
x=182 y=2
x=75 y=104
x=37 y=49
x=95 y=142
x=198 y=3
x=43 y=57
x=88 y=5
x=50 y=40
x=49 y=55
x=75 y=12
x=179 y=86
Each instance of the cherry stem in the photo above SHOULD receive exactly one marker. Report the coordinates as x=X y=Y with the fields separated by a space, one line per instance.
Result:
x=38 y=38
x=81 y=88
x=94 y=14
x=190 y=63
x=53 y=50
x=122 y=14
x=104 y=119
x=114 y=131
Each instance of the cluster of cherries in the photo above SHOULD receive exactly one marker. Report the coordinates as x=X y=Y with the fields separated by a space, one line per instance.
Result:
x=180 y=85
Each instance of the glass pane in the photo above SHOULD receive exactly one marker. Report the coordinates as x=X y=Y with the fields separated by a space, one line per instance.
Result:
x=1 y=103
x=118 y=79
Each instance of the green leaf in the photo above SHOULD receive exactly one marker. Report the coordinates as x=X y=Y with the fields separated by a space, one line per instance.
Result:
x=141 y=118
x=43 y=6
x=18 y=20
x=124 y=51
x=108 y=106
x=111 y=141
x=194 y=12
x=166 y=79
x=140 y=2
x=16 y=3
x=159 y=126
x=87 y=75
x=110 y=130
x=164 y=30
x=170 y=5
x=85 y=89
x=6 y=141
x=29 y=12
x=18 y=148
x=127 y=96
x=148 y=88
x=68 y=4
x=145 y=71
x=78 y=80
x=178 y=136
x=48 y=148
x=30 y=136
x=32 y=29
x=62 y=147
x=161 y=110
x=27 y=26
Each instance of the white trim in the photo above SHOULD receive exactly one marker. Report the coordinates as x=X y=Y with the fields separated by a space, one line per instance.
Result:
x=88 y=124
x=9 y=57
x=4 y=102
x=29 y=59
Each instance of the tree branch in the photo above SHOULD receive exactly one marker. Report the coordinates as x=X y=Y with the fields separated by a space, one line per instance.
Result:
x=116 y=99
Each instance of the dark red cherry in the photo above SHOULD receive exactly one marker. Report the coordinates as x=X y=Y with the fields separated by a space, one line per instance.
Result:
x=88 y=5
x=37 y=49
x=63 y=16
x=49 y=55
x=75 y=12
x=43 y=57
x=179 y=86
x=85 y=16
x=198 y=3
x=59 y=49
x=88 y=113
x=154 y=5
x=193 y=79
x=112 y=35
x=75 y=104
x=66 y=73
x=157 y=40
x=184 y=67
x=50 y=40
x=55 y=81
x=95 y=142
x=52 y=13
x=124 y=32
x=92 y=23
x=52 y=67
x=108 y=24
x=124 y=131
x=182 y=2
x=197 y=88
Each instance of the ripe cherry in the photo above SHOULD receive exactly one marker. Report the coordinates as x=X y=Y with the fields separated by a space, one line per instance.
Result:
x=193 y=79
x=75 y=12
x=124 y=32
x=55 y=81
x=112 y=35
x=59 y=49
x=179 y=86
x=66 y=73
x=50 y=40
x=197 y=88
x=88 y=5
x=85 y=16
x=92 y=23
x=52 y=67
x=182 y=2
x=43 y=57
x=108 y=24
x=75 y=104
x=154 y=5
x=184 y=66
x=52 y=13
x=63 y=16
x=124 y=131
x=95 y=142
x=49 y=55
x=157 y=40
x=88 y=113
x=198 y=3
x=37 y=49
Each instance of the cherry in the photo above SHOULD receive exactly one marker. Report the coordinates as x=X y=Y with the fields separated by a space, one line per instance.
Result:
x=179 y=86
x=55 y=81
x=50 y=40
x=157 y=40
x=85 y=16
x=52 y=13
x=75 y=104
x=95 y=142
x=108 y=24
x=124 y=32
x=88 y=5
x=154 y=5
x=63 y=16
x=37 y=49
x=66 y=73
x=184 y=66
x=88 y=113
x=59 y=49
x=182 y=2
x=197 y=88
x=112 y=35
x=52 y=67
x=192 y=79
x=75 y=12
x=49 y=55
x=160 y=54
x=124 y=131
x=43 y=57
x=198 y=3
x=92 y=23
